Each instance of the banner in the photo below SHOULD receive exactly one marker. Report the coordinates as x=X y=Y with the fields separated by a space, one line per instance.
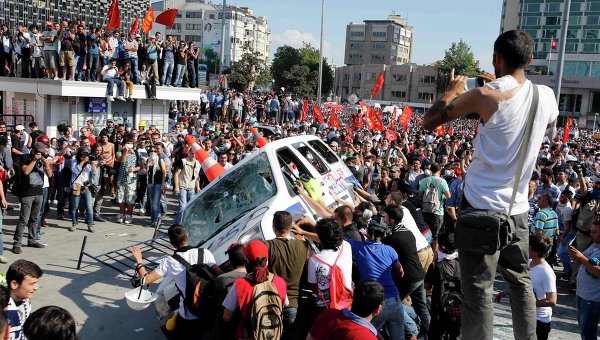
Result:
x=317 y=114
x=377 y=123
x=167 y=17
x=405 y=117
x=364 y=108
x=304 y=110
x=393 y=120
x=568 y=125
x=135 y=27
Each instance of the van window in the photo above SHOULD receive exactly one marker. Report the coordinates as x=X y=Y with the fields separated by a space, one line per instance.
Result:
x=291 y=167
x=312 y=158
x=241 y=190
x=324 y=151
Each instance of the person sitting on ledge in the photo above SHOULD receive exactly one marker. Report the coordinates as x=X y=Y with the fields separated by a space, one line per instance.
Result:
x=110 y=76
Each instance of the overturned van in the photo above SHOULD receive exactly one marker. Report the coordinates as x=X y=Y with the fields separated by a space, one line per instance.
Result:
x=239 y=205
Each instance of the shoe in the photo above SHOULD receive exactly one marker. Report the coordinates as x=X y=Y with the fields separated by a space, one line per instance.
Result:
x=129 y=219
x=110 y=98
x=142 y=211
x=99 y=218
x=61 y=217
x=56 y=78
x=3 y=259
x=16 y=249
x=120 y=98
x=35 y=244
x=73 y=227
x=121 y=219
x=55 y=202
x=91 y=228
x=131 y=99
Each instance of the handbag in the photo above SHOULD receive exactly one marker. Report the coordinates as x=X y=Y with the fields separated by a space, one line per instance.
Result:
x=486 y=231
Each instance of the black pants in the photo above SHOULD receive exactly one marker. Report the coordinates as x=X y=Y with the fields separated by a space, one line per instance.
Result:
x=150 y=89
x=542 y=330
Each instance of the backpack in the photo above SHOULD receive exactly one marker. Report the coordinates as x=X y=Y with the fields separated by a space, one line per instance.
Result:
x=265 y=320
x=431 y=200
x=340 y=296
x=198 y=286
x=451 y=302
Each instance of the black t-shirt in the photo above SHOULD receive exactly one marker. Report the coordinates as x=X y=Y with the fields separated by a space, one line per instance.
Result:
x=35 y=134
x=434 y=277
x=31 y=185
x=403 y=241
x=16 y=143
x=352 y=233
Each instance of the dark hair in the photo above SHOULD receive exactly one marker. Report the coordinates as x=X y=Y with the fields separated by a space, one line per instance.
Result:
x=344 y=212
x=434 y=167
x=4 y=296
x=50 y=323
x=282 y=220
x=368 y=296
x=3 y=322
x=540 y=244
x=237 y=258
x=394 y=212
x=396 y=197
x=177 y=235
x=21 y=268
x=446 y=242
x=515 y=48
x=330 y=233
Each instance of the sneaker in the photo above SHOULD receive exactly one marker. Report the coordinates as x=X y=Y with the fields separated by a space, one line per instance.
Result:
x=91 y=228
x=142 y=211
x=61 y=217
x=55 y=78
x=131 y=99
x=121 y=219
x=120 y=98
x=55 y=202
x=16 y=249
x=73 y=227
x=129 y=219
x=3 y=259
x=99 y=218
x=35 y=244
x=110 y=98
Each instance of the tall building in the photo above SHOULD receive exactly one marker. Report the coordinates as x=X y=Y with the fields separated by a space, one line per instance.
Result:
x=201 y=21
x=379 y=42
x=542 y=19
x=93 y=12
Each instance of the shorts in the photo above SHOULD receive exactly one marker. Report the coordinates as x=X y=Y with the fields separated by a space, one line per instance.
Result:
x=126 y=193
x=66 y=57
x=38 y=62
x=50 y=57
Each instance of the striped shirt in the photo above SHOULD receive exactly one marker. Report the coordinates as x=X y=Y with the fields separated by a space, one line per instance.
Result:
x=16 y=317
x=546 y=220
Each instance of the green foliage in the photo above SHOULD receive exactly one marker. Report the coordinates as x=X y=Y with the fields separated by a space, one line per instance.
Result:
x=249 y=72
x=459 y=57
x=211 y=59
x=297 y=70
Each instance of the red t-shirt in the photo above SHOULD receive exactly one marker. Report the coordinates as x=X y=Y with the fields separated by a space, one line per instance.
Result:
x=333 y=324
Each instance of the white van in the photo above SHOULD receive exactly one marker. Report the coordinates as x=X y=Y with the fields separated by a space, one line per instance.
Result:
x=239 y=205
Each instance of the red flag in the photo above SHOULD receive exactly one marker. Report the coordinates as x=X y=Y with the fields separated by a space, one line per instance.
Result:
x=449 y=131
x=377 y=123
x=114 y=16
x=333 y=120
x=378 y=85
x=393 y=120
x=304 y=110
x=369 y=118
x=350 y=133
x=568 y=126
x=391 y=135
x=148 y=19
x=405 y=118
x=553 y=43
x=135 y=27
x=167 y=17
x=317 y=114
x=440 y=130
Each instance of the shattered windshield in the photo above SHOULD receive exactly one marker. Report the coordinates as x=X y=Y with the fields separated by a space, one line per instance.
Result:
x=242 y=189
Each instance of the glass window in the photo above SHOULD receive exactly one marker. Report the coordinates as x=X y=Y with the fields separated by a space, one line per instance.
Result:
x=552 y=20
x=532 y=8
x=572 y=47
x=552 y=33
x=324 y=151
x=553 y=7
x=357 y=34
x=312 y=158
x=571 y=33
x=575 y=20
x=399 y=94
x=591 y=34
x=590 y=47
x=593 y=20
x=379 y=46
x=595 y=70
x=570 y=102
x=531 y=21
x=532 y=33
x=379 y=34
x=593 y=6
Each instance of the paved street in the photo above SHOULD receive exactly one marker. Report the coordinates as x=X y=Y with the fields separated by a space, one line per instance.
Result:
x=95 y=294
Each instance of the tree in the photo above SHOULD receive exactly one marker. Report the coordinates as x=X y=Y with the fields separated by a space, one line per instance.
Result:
x=285 y=57
x=212 y=61
x=248 y=72
x=459 y=57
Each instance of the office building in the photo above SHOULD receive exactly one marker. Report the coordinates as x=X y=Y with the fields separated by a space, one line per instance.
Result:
x=542 y=19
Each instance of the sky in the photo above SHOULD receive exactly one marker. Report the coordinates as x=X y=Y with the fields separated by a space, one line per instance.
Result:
x=437 y=23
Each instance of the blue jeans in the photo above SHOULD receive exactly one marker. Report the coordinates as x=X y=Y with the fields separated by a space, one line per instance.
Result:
x=92 y=65
x=563 y=247
x=289 y=322
x=185 y=195
x=416 y=290
x=135 y=73
x=155 y=193
x=588 y=316
x=111 y=83
x=180 y=69
x=167 y=73
x=411 y=321
x=79 y=61
x=89 y=210
x=391 y=318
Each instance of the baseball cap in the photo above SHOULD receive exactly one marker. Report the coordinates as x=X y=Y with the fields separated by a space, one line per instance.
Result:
x=19 y=127
x=256 y=249
x=138 y=36
x=109 y=121
x=49 y=24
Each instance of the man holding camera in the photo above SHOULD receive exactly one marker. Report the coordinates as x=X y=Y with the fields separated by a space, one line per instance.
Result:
x=110 y=75
x=503 y=105
x=35 y=165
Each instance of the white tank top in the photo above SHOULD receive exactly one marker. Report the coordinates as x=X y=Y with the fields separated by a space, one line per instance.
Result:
x=490 y=178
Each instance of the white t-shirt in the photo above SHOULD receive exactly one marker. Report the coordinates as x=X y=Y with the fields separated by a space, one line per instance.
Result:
x=543 y=280
x=489 y=184
x=25 y=139
x=171 y=267
x=409 y=222
x=319 y=273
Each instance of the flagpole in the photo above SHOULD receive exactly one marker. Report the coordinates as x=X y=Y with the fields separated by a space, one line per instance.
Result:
x=222 y=61
x=550 y=56
x=319 y=89
x=560 y=58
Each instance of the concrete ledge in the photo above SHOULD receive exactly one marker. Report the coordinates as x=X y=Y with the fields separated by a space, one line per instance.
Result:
x=67 y=88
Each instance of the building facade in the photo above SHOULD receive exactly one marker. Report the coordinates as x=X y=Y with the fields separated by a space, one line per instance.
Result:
x=542 y=19
x=386 y=42
x=92 y=12
x=201 y=22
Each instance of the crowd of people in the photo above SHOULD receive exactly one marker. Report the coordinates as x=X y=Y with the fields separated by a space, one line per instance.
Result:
x=386 y=264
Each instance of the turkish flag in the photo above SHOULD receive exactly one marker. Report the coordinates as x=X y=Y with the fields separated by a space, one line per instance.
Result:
x=393 y=120
x=167 y=17
x=378 y=85
x=148 y=19
x=449 y=131
x=333 y=120
x=317 y=114
x=114 y=16
x=568 y=126
x=391 y=136
x=304 y=110
x=135 y=27
x=405 y=118
x=553 y=44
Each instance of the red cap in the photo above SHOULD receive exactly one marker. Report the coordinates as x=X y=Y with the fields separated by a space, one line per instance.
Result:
x=256 y=249
x=49 y=23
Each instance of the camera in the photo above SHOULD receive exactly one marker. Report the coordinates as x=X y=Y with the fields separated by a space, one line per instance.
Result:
x=473 y=83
